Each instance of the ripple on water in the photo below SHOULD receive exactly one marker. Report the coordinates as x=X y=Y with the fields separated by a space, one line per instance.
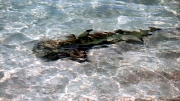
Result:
x=121 y=71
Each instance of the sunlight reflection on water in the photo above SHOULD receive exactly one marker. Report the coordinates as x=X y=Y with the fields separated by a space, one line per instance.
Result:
x=120 y=72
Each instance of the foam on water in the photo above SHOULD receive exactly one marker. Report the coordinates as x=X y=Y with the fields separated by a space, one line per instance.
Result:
x=120 y=72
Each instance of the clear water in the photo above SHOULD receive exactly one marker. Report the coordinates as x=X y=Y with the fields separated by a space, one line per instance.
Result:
x=117 y=73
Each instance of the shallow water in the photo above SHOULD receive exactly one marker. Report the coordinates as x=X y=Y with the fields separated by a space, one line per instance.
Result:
x=117 y=73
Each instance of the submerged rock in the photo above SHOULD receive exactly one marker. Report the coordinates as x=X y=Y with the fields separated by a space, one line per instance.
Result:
x=77 y=48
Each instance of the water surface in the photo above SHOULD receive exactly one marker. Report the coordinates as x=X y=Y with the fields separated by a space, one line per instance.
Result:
x=121 y=71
